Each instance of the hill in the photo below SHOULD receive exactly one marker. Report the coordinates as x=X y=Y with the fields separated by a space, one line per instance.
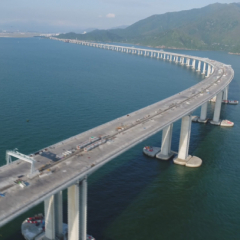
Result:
x=214 y=27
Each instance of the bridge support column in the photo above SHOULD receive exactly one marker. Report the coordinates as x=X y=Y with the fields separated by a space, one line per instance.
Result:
x=158 y=55
x=217 y=109
x=225 y=93
x=77 y=211
x=183 y=158
x=170 y=58
x=166 y=152
x=199 y=66
x=204 y=68
x=209 y=70
x=182 y=61
x=83 y=209
x=203 y=115
x=73 y=212
x=164 y=56
x=58 y=214
x=49 y=212
x=193 y=63
x=145 y=53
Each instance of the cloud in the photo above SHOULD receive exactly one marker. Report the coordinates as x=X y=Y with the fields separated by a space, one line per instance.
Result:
x=110 y=15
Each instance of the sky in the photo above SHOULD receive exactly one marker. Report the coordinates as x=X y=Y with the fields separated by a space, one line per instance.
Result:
x=52 y=16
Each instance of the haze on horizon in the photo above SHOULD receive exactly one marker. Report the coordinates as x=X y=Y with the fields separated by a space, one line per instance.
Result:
x=65 y=16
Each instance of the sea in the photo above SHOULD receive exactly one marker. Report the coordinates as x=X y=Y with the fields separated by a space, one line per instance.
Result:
x=51 y=90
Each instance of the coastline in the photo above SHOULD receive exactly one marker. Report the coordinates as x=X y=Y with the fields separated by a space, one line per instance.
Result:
x=233 y=53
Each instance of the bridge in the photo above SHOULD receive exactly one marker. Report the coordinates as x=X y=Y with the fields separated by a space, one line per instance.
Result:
x=67 y=164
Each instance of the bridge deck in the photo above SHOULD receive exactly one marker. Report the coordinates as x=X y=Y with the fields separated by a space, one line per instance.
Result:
x=139 y=125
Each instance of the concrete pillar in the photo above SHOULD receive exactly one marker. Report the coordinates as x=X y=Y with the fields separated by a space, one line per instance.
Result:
x=49 y=212
x=217 y=109
x=193 y=63
x=73 y=212
x=203 y=115
x=164 y=56
x=204 y=68
x=225 y=93
x=199 y=66
x=185 y=137
x=83 y=209
x=127 y=50
x=77 y=211
x=166 y=152
x=161 y=55
x=58 y=214
x=182 y=60
x=158 y=55
x=209 y=70
x=145 y=53
x=170 y=58
x=151 y=54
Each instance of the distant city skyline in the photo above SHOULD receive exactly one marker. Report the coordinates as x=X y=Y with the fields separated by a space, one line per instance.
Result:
x=65 y=16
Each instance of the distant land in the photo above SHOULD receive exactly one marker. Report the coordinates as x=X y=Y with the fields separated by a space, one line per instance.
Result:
x=214 y=27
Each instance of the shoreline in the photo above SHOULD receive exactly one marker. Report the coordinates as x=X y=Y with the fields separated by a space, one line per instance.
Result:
x=162 y=47
x=233 y=53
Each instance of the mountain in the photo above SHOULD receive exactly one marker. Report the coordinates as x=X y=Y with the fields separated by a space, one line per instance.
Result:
x=214 y=27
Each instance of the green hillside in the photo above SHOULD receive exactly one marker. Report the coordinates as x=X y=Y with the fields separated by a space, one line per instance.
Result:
x=214 y=27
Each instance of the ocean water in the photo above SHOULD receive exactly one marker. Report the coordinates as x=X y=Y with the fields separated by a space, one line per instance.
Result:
x=64 y=89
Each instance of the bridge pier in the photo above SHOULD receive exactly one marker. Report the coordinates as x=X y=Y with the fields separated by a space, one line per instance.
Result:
x=182 y=60
x=193 y=63
x=204 y=68
x=199 y=66
x=77 y=211
x=50 y=224
x=225 y=93
x=203 y=115
x=83 y=209
x=166 y=152
x=183 y=158
x=217 y=109
x=58 y=202
x=209 y=70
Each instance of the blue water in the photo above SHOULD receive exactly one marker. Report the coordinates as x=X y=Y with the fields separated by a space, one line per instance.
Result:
x=64 y=89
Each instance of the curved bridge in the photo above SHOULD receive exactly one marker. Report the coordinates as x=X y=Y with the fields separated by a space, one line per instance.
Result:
x=64 y=165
